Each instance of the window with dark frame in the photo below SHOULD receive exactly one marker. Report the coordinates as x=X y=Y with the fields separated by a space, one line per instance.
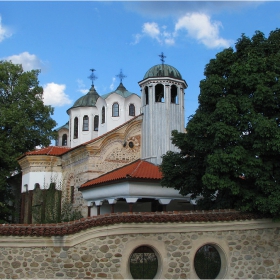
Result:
x=76 y=128
x=85 y=123
x=115 y=110
x=146 y=95
x=143 y=263
x=159 y=93
x=103 y=115
x=64 y=140
x=174 y=94
x=207 y=262
x=95 y=123
x=72 y=194
x=131 y=110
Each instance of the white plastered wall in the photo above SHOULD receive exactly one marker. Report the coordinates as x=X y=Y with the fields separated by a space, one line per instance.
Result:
x=42 y=178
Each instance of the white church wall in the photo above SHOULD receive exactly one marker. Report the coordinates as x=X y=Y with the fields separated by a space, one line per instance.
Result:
x=62 y=132
x=113 y=122
x=42 y=178
x=102 y=128
x=132 y=99
x=83 y=135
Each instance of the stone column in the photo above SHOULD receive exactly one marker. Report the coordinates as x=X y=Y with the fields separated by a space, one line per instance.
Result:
x=89 y=208
x=164 y=202
x=98 y=203
x=112 y=202
x=131 y=201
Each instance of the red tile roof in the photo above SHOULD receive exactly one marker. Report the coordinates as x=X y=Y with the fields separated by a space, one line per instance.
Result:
x=57 y=150
x=73 y=227
x=51 y=151
x=139 y=169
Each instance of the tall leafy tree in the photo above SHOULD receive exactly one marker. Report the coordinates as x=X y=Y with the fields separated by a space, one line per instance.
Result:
x=230 y=155
x=25 y=122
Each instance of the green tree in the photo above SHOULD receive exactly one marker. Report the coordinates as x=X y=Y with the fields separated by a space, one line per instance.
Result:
x=25 y=122
x=230 y=155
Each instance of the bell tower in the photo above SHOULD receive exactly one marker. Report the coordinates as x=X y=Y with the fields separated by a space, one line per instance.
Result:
x=163 y=110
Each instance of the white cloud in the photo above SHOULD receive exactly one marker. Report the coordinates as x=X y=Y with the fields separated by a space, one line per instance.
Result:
x=4 y=31
x=54 y=95
x=82 y=87
x=200 y=27
x=112 y=86
x=169 y=41
x=28 y=61
x=151 y=29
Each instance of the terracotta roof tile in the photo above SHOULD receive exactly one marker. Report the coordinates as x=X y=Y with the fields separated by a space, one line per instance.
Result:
x=226 y=215
x=139 y=169
x=51 y=151
x=57 y=151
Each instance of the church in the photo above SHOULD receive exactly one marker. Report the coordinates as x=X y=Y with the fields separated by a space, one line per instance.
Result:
x=106 y=165
x=107 y=156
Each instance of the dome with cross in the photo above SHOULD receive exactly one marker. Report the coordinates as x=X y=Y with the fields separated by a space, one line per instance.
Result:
x=163 y=70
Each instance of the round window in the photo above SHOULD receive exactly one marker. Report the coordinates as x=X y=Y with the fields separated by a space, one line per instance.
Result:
x=207 y=262
x=143 y=263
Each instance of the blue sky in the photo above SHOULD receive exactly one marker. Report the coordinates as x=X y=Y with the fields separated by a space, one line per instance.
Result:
x=66 y=39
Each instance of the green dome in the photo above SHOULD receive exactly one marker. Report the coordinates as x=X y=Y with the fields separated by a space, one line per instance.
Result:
x=121 y=90
x=88 y=100
x=163 y=70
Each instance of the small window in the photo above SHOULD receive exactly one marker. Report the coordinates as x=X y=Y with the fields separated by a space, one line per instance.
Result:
x=64 y=140
x=95 y=123
x=143 y=263
x=174 y=94
x=103 y=115
x=85 y=123
x=131 y=110
x=207 y=262
x=159 y=93
x=72 y=194
x=115 y=110
x=76 y=122
x=146 y=95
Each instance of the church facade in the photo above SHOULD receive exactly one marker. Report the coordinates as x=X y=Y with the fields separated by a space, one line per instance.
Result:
x=107 y=155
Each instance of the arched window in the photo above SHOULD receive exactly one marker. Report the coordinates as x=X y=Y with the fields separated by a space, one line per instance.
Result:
x=103 y=115
x=76 y=122
x=207 y=262
x=115 y=110
x=146 y=95
x=64 y=140
x=143 y=263
x=174 y=94
x=131 y=110
x=159 y=93
x=95 y=123
x=85 y=123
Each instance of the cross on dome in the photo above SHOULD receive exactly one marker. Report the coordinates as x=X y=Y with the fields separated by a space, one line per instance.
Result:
x=121 y=76
x=92 y=77
x=162 y=57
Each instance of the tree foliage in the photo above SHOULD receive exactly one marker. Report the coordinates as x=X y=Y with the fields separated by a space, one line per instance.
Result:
x=230 y=155
x=25 y=122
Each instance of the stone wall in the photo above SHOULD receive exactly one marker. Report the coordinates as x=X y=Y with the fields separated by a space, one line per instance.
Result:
x=100 y=247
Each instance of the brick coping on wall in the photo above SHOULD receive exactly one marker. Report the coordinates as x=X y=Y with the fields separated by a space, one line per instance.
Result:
x=67 y=228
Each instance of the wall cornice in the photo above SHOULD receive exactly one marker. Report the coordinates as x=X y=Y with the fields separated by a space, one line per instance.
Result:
x=71 y=233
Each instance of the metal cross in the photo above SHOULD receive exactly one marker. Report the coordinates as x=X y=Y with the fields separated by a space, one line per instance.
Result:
x=162 y=57
x=92 y=77
x=121 y=76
